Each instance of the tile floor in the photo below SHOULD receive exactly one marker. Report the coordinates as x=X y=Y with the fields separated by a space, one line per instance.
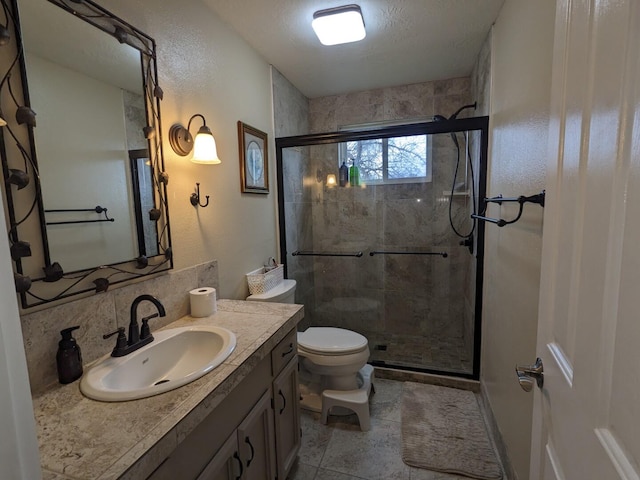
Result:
x=340 y=451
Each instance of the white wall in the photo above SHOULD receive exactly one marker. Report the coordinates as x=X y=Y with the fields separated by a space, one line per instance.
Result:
x=205 y=67
x=18 y=444
x=94 y=149
x=522 y=41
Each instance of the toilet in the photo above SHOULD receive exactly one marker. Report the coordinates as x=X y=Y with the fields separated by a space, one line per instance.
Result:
x=334 y=375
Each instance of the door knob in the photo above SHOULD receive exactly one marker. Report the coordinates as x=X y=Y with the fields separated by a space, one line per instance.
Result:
x=528 y=373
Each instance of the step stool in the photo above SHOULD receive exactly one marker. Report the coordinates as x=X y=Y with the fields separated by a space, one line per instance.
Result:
x=354 y=400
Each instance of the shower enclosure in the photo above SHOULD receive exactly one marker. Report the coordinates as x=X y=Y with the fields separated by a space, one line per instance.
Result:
x=381 y=256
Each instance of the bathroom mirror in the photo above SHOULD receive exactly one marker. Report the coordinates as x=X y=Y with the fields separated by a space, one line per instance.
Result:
x=81 y=101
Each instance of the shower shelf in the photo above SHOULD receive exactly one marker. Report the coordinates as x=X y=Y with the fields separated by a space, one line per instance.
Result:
x=537 y=198
x=441 y=254
x=324 y=254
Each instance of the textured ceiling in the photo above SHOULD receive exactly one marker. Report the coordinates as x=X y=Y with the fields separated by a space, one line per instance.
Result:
x=408 y=41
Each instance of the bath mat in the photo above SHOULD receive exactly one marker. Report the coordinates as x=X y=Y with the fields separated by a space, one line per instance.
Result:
x=443 y=430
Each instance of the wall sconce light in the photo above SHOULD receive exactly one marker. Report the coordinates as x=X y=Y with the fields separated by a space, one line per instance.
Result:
x=334 y=26
x=203 y=147
x=331 y=180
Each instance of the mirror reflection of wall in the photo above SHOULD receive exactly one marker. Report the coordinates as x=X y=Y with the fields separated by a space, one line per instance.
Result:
x=83 y=163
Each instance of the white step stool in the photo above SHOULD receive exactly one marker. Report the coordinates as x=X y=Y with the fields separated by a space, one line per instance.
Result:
x=354 y=400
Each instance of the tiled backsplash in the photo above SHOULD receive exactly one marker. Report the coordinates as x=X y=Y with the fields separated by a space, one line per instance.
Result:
x=104 y=313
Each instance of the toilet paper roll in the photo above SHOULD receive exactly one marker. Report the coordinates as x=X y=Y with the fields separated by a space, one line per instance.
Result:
x=203 y=301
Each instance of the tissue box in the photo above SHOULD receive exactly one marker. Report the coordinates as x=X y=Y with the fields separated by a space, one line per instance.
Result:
x=260 y=281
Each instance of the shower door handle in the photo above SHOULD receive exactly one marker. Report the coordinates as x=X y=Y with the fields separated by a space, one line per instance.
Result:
x=527 y=374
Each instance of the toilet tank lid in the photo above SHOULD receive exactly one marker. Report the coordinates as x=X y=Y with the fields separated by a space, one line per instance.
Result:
x=331 y=340
x=282 y=290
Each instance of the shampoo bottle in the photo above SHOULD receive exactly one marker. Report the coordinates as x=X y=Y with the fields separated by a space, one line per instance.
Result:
x=343 y=175
x=354 y=175
x=69 y=357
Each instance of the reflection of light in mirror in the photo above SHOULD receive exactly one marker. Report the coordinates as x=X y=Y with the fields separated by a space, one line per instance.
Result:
x=331 y=180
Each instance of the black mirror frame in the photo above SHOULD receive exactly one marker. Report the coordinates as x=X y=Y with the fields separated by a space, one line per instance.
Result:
x=25 y=208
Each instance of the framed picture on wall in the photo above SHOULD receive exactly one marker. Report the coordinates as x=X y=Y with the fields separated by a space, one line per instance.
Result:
x=254 y=165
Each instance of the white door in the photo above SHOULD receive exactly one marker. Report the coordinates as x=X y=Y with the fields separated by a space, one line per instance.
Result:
x=587 y=415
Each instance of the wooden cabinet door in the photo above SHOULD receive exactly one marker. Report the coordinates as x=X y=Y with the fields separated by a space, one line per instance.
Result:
x=255 y=441
x=287 y=417
x=226 y=464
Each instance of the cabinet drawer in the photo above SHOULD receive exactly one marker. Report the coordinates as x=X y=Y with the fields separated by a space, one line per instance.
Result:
x=284 y=352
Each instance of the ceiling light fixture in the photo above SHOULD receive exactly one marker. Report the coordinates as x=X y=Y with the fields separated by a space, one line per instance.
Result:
x=334 y=26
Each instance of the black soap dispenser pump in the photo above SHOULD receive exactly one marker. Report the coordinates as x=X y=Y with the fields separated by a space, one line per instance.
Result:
x=69 y=357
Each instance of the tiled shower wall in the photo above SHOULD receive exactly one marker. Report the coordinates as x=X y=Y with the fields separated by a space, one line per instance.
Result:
x=291 y=118
x=417 y=306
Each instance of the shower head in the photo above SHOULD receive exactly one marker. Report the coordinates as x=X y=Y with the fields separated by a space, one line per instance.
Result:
x=442 y=118
x=455 y=115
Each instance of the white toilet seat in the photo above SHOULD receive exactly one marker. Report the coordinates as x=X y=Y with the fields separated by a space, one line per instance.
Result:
x=333 y=347
x=357 y=360
x=331 y=341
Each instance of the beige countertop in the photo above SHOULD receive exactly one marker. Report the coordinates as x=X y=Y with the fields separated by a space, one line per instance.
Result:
x=85 y=439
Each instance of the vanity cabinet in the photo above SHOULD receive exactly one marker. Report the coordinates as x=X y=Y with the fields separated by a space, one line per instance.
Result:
x=249 y=452
x=253 y=434
x=287 y=417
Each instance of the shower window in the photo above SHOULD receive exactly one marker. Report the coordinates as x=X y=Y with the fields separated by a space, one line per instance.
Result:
x=390 y=160
x=402 y=159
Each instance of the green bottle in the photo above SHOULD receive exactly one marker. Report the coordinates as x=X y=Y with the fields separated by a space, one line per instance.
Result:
x=354 y=175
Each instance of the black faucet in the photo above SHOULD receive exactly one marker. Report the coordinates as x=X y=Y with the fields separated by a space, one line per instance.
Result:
x=138 y=337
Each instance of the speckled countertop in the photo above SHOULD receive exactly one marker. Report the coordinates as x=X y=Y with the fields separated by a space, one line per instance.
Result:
x=86 y=439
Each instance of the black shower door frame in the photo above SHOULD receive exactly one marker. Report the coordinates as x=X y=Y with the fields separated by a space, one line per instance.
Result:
x=429 y=128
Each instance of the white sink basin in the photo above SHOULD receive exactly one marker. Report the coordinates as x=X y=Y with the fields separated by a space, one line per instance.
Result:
x=176 y=357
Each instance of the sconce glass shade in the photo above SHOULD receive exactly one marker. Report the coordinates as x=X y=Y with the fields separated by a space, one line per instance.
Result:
x=331 y=180
x=334 y=26
x=204 y=148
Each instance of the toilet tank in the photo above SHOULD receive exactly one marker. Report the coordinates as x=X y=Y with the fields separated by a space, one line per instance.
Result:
x=283 y=293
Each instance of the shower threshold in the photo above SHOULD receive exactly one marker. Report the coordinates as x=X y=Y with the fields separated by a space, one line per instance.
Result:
x=426 y=370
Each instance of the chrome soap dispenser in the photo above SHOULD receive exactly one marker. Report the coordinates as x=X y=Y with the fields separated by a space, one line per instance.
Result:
x=69 y=357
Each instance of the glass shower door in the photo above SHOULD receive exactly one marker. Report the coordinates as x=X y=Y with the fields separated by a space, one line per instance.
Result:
x=381 y=258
